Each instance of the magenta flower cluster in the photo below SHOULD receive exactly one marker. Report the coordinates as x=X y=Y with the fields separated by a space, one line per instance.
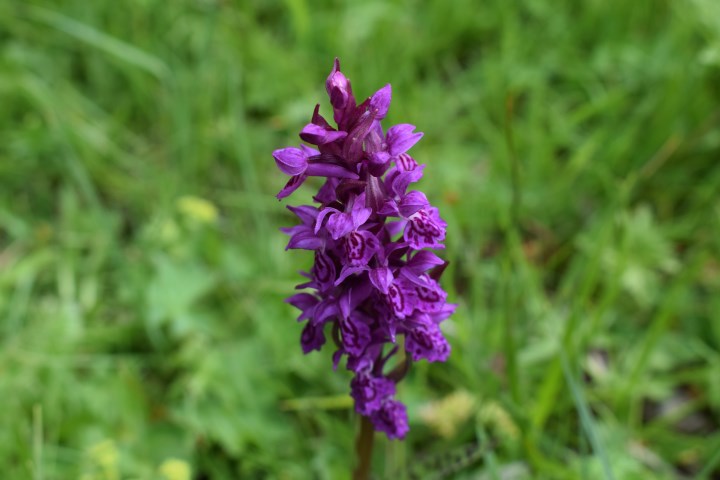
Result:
x=374 y=282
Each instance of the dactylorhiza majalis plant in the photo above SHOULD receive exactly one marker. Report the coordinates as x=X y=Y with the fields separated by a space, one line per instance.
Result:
x=374 y=281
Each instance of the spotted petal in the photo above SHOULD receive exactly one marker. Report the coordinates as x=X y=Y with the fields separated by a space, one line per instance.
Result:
x=391 y=419
x=426 y=341
x=369 y=392
x=312 y=338
x=360 y=248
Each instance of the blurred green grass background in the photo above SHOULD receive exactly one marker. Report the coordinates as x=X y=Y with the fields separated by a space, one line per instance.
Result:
x=571 y=146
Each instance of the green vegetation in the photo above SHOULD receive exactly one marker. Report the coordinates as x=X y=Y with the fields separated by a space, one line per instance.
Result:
x=572 y=148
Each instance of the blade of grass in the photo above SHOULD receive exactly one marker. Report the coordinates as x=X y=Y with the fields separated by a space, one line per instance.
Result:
x=585 y=417
x=37 y=443
x=713 y=465
x=102 y=41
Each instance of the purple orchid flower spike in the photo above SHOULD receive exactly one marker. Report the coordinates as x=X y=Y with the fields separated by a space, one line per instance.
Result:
x=373 y=279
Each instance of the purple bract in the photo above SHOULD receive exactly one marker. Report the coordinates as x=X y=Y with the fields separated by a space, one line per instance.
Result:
x=373 y=282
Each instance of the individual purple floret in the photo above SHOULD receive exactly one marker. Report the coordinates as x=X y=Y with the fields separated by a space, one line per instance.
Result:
x=373 y=281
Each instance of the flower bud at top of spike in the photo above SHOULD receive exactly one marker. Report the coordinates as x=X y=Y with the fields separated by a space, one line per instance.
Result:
x=339 y=89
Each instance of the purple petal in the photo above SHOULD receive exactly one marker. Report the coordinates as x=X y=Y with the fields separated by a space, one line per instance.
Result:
x=360 y=292
x=352 y=147
x=422 y=261
x=430 y=297
x=321 y=216
x=347 y=271
x=379 y=158
x=401 y=298
x=369 y=392
x=306 y=213
x=380 y=101
x=318 y=119
x=318 y=135
x=305 y=240
x=359 y=212
x=293 y=230
x=425 y=229
x=360 y=248
x=437 y=272
x=309 y=152
x=400 y=138
x=381 y=278
x=426 y=341
x=339 y=225
x=412 y=202
x=389 y=208
x=337 y=356
x=394 y=249
x=394 y=228
x=406 y=171
x=374 y=140
x=391 y=419
x=405 y=162
x=303 y=286
x=327 y=194
x=355 y=333
x=291 y=160
x=329 y=170
x=304 y=302
x=447 y=310
x=344 y=304
x=364 y=363
x=324 y=311
x=358 y=202
x=312 y=338
x=401 y=182
x=375 y=193
x=292 y=185
x=323 y=271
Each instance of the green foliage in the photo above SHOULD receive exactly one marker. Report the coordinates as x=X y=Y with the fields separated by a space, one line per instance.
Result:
x=571 y=146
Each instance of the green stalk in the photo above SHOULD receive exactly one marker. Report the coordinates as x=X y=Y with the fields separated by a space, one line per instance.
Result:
x=363 y=449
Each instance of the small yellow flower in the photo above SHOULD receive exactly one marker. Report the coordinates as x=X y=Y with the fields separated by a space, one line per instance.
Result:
x=493 y=414
x=198 y=209
x=104 y=453
x=174 y=469
x=449 y=413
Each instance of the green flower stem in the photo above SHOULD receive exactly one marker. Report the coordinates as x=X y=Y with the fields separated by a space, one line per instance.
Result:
x=363 y=449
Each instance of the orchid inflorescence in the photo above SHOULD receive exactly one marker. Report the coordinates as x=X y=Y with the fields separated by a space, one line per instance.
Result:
x=373 y=278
